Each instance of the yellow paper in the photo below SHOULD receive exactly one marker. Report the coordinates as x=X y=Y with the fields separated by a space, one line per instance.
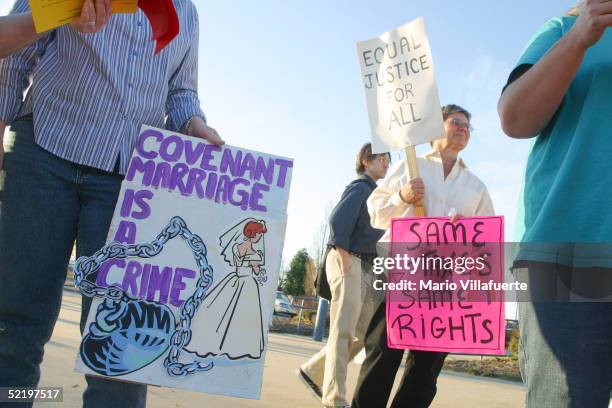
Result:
x=49 y=14
x=125 y=6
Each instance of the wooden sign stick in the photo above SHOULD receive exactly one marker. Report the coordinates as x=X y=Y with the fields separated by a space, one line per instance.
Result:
x=413 y=172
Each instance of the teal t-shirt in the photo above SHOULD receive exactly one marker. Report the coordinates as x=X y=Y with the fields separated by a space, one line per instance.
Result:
x=567 y=193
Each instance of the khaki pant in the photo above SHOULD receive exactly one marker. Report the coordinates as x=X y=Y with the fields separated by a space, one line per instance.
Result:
x=349 y=319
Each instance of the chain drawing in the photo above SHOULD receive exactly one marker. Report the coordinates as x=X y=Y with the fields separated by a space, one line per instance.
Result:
x=105 y=347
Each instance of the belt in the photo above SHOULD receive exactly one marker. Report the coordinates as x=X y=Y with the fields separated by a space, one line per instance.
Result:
x=369 y=258
x=357 y=254
x=363 y=256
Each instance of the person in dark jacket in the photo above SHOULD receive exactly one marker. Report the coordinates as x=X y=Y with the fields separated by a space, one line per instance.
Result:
x=352 y=241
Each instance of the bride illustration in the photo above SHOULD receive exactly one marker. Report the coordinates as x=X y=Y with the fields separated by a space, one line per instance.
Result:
x=229 y=322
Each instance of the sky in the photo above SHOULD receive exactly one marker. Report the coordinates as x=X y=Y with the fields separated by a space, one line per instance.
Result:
x=282 y=77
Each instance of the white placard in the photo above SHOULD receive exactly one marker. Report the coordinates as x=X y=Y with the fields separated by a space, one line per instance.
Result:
x=402 y=96
x=185 y=292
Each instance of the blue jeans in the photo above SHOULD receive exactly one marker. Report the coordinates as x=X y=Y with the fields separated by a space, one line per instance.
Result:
x=47 y=204
x=566 y=353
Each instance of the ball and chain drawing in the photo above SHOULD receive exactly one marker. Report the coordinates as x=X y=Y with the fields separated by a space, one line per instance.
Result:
x=128 y=333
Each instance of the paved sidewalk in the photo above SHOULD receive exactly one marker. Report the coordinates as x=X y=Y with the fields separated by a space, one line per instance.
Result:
x=281 y=388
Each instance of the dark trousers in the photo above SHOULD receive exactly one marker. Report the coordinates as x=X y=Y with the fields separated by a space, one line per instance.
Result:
x=47 y=203
x=418 y=386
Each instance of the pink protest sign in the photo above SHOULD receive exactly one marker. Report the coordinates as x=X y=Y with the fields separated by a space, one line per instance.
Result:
x=445 y=285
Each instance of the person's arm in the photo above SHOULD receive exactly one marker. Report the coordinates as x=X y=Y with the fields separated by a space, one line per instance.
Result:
x=15 y=71
x=343 y=219
x=182 y=103
x=17 y=30
x=391 y=200
x=530 y=102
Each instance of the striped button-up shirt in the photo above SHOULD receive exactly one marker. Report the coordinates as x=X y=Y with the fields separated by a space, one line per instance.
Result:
x=90 y=93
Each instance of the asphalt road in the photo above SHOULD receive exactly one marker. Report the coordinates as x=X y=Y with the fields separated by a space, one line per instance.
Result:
x=281 y=388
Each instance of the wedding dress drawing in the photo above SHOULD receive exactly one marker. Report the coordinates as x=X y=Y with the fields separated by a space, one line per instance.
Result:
x=229 y=320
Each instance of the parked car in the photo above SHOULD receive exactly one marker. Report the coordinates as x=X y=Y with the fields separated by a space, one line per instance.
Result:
x=511 y=324
x=283 y=306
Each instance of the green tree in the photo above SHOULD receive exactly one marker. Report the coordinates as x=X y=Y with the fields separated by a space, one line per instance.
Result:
x=293 y=282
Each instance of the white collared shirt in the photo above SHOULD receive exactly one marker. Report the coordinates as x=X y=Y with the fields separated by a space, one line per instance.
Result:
x=461 y=191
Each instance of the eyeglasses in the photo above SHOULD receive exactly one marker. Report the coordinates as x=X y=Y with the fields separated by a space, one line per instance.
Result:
x=459 y=123
x=383 y=158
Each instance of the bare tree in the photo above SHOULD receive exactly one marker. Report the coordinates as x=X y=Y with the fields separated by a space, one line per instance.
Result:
x=320 y=239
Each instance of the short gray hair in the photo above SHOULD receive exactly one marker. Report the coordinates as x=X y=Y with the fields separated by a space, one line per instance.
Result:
x=575 y=11
x=448 y=110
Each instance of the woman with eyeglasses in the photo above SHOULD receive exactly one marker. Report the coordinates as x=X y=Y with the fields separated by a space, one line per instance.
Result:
x=446 y=187
x=560 y=94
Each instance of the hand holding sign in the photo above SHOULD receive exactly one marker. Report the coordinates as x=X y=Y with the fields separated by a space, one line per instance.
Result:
x=455 y=216
x=197 y=127
x=162 y=15
x=413 y=192
x=94 y=16
x=88 y=16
